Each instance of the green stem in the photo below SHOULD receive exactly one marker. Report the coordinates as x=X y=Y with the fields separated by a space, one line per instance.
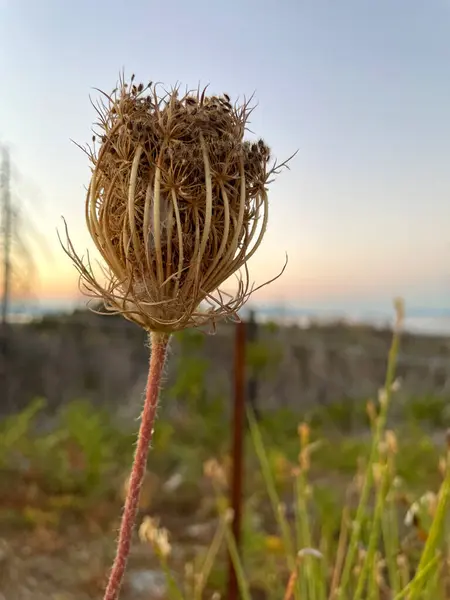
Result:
x=369 y=565
x=435 y=535
x=418 y=580
x=368 y=480
x=237 y=563
x=273 y=496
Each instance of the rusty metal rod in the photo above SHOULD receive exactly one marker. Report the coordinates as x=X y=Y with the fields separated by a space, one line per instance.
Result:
x=238 y=424
x=252 y=386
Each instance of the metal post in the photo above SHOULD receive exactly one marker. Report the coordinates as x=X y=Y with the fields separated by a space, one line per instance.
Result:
x=238 y=450
x=252 y=336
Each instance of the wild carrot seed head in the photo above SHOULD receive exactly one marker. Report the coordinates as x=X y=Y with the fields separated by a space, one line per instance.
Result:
x=177 y=203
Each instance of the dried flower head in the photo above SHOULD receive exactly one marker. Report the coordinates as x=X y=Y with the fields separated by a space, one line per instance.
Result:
x=157 y=536
x=310 y=552
x=391 y=441
x=214 y=471
x=371 y=411
x=442 y=466
x=399 y=306
x=383 y=396
x=426 y=503
x=304 y=431
x=378 y=470
x=177 y=204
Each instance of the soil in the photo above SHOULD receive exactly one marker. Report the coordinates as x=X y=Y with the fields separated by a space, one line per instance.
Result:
x=70 y=558
x=74 y=565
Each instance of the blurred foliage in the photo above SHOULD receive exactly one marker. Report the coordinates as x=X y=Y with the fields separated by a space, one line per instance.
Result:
x=15 y=429
x=263 y=358
x=200 y=428
x=347 y=415
x=78 y=455
x=74 y=463
x=429 y=410
x=271 y=327
x=84 y=451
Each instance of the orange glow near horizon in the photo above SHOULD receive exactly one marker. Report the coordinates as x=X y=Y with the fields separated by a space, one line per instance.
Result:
x=318 y=276
x=62 y=284
x=59 y=284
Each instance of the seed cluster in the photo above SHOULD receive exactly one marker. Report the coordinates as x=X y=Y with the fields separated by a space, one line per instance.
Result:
x=177 y=203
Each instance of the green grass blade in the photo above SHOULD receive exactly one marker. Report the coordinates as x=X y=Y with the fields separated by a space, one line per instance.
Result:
x=368 y=480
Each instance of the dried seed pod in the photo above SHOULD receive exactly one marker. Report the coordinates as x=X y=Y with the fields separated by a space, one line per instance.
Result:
x=177 y=203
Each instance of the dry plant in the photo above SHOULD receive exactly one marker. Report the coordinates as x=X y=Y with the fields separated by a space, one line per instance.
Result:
x=176 y=205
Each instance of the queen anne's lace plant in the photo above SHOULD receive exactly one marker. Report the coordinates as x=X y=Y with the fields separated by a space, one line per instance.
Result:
x=176 y=205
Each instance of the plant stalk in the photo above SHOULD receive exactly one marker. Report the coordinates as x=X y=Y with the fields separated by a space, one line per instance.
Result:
x=159 y=343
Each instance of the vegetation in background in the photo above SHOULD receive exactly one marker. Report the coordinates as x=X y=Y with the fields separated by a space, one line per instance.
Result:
x=333 y=509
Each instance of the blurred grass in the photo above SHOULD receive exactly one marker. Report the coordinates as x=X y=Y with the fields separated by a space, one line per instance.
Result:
x=303 y=486
x=62 y=475
x=85 y=450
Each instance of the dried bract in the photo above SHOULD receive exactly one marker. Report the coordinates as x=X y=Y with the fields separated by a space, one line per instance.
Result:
x=177 y=203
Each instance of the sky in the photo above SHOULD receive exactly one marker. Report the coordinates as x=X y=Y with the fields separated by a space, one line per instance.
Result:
x=361 y=88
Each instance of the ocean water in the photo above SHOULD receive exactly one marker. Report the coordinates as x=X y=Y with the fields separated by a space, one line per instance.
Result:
x=434 y=321
x=417 y=320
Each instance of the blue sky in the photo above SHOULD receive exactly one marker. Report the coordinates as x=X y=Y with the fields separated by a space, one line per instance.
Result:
x=360 y=87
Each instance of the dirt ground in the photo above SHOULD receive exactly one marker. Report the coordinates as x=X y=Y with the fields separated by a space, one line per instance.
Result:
x=71 y=559
x=74 y=564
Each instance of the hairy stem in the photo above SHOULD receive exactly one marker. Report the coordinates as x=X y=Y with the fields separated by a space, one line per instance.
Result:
x=159 y=344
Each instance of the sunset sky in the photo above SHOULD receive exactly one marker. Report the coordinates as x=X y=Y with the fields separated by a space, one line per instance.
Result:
x=360 y=87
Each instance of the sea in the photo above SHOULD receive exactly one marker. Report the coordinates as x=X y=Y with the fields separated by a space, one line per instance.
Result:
x=419 y=320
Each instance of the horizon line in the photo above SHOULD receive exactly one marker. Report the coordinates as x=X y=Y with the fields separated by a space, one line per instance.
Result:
x=289 y=308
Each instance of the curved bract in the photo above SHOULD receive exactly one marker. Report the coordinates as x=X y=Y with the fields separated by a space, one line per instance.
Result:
x=177 y=203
